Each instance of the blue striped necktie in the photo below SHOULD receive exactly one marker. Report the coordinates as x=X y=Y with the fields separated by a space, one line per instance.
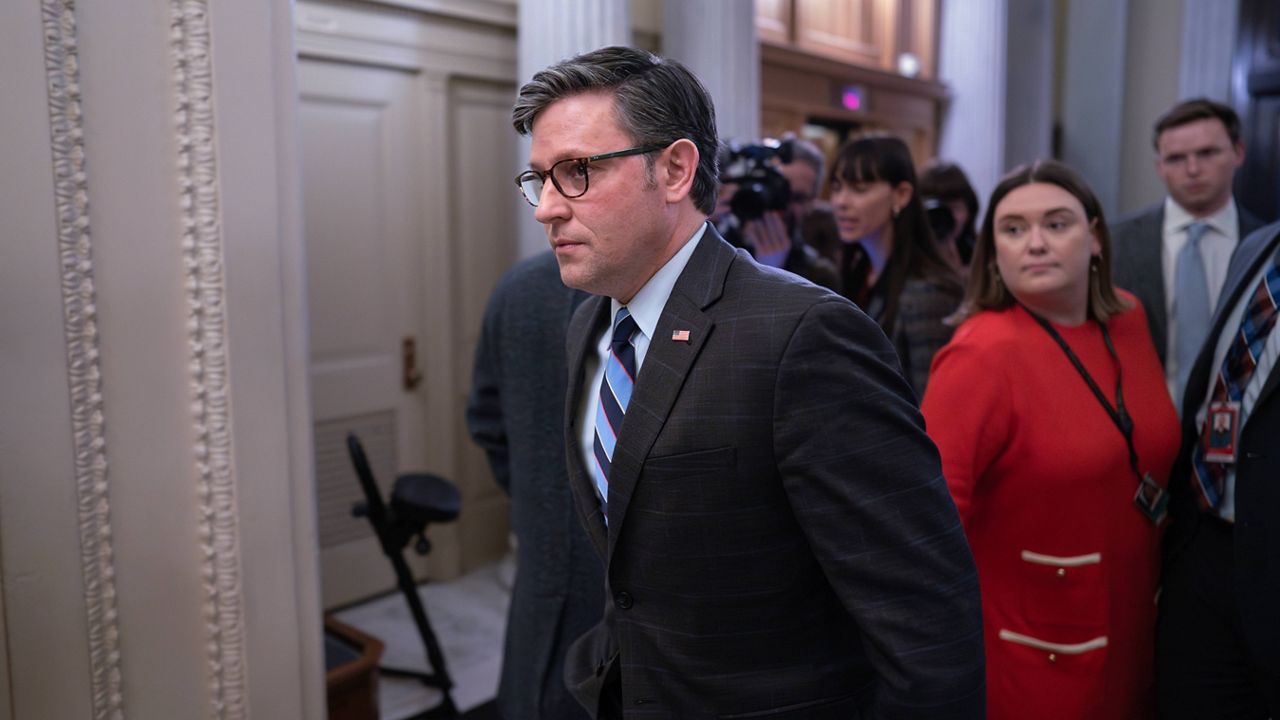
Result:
x=1209 y=478
x=615 y=395
x=1190 y=305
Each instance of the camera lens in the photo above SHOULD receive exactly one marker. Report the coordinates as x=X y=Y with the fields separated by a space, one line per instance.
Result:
x=941 y=221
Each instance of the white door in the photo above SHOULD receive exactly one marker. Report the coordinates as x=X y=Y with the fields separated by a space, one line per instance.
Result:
x=362 y=166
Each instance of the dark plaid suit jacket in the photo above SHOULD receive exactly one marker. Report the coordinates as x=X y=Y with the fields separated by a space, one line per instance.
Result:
x=1256 y=537
x=781 y=542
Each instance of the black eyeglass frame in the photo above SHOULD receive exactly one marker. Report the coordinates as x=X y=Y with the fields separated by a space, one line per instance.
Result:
x=542 y=175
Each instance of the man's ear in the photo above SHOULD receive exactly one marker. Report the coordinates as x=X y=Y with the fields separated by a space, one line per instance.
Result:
x=676 y=167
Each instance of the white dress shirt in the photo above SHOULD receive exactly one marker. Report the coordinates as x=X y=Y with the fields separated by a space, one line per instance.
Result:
x=646 y=307
x=1216 y=247
x=1267 y=360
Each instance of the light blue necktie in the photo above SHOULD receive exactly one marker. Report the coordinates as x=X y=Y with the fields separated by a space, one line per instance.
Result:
x=1190 y=305
x=615 y=395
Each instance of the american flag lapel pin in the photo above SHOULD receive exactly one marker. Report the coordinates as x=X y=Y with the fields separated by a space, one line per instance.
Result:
x=680 y=336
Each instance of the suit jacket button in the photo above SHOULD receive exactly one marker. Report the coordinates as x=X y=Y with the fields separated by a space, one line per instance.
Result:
x=623 y=600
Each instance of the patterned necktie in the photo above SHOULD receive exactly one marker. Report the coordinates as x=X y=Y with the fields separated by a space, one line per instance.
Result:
x=615 y=395
x=1191 y=305
x=1209 y=478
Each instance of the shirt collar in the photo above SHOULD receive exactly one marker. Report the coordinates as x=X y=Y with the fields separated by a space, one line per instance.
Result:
x=646 y=307
x=1225 y=221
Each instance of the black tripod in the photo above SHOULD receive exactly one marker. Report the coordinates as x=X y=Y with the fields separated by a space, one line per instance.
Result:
x=416 y=501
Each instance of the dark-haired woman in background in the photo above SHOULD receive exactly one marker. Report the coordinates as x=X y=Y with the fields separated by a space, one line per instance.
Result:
x=1057 y=437
x=890 y=264
x=945 y=184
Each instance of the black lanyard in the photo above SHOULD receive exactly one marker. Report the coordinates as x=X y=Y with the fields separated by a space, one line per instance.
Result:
x=1119 y=415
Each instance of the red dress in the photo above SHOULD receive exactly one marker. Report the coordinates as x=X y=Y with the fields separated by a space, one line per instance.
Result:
x=1067 y=563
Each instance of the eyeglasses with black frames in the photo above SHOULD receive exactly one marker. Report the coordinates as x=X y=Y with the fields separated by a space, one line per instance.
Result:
x=570 y=176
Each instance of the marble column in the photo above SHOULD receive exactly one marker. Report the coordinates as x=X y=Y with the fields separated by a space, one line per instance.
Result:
x=551 y=31
x=716 y=39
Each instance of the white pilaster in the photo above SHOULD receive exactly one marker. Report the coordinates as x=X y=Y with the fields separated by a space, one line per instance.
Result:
x=1208 y=43
x=716 y=39
x=551 y=31
x=1028 y=101
x=157 y=539
x=972 y=61
x=1093 y=95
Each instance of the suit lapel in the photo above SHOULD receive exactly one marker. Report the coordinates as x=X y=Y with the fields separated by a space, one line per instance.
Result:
x=666 y=366
x=1247 y=222
x=1237 y=283
x=1273 y=380
x=587 y=323
x=1150 y=254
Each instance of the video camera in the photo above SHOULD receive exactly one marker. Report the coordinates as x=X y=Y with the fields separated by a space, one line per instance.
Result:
x=941 y=221
x=760 y=186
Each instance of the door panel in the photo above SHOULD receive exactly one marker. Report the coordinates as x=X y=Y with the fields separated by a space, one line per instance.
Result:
x=362 y=162
x=484 y=209
x=1256 y=96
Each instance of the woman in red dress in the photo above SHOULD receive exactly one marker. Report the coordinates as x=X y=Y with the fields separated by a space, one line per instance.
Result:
x=1057 y=436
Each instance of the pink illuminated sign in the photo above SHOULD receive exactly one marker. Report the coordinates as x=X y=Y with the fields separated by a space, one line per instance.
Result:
x=851 y=97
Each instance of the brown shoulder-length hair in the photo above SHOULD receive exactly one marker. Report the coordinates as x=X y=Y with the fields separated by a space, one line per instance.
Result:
x=986 y=290
x=876 y=157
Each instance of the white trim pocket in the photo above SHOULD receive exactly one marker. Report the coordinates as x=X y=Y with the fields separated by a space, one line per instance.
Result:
x=1074 y=649
x=1055 y=561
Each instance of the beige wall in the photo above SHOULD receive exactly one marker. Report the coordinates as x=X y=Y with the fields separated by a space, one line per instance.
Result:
x=1151 y=87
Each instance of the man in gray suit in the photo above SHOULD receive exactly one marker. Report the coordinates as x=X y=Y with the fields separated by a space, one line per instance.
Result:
x=516 y=413
x=743 y=449
x=1173 y=255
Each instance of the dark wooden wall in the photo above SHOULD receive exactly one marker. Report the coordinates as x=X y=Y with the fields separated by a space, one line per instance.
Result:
x=1255 y=78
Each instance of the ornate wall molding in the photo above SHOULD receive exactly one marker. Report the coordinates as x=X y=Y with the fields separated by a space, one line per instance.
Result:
x=84 y=376
x=206 y=323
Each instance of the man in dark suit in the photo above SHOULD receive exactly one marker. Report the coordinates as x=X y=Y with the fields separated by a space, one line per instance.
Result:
x=516 y=413
x=1218 y=636
x=743 y=449
x=1173 y=255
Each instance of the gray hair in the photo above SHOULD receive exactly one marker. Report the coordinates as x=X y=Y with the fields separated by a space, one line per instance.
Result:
x=658 y=101
x=806 y=152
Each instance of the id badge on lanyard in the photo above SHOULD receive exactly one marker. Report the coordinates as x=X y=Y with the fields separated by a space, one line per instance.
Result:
x=1152 y=499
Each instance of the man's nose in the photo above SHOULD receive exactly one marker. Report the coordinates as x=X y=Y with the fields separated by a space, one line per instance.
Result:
x=552 y=205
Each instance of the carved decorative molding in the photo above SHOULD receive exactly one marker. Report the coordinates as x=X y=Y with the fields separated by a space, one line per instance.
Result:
x=206 y=322
x=84 y=376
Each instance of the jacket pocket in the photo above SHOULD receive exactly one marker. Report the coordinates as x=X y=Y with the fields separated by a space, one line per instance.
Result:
x=698 y=462
x=1054 y=649
x=1060 y=591
x=1046 y=676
